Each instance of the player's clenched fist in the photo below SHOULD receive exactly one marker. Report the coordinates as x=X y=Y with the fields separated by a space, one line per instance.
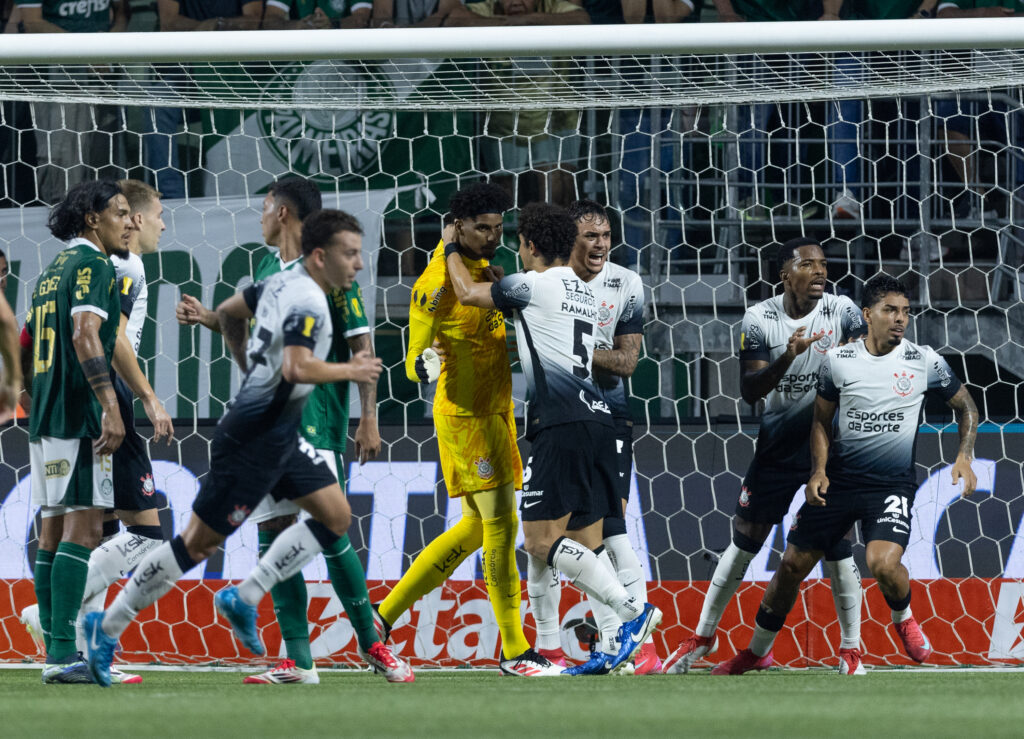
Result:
x=816 y=488
x=189 y=311
x=365 y=367
x=428 y=366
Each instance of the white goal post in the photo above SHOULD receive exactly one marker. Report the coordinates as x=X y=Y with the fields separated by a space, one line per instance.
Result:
x=896 y=144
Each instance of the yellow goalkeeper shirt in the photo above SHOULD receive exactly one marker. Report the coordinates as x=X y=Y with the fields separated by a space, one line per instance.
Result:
x=475 y=379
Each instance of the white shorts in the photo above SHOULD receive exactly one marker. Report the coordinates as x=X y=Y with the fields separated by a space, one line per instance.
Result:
x=67 y=475
x=269 y=508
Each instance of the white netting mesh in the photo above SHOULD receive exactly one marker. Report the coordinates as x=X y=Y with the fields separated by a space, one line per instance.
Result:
x=926 y=186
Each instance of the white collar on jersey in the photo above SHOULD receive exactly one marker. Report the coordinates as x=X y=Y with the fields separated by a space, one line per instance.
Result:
x=79 y=241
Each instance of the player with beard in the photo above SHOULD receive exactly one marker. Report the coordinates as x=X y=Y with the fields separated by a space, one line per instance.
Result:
x=782 y=345
x=866 y=417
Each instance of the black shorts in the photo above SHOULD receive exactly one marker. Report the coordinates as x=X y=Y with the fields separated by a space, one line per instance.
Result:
x=572 y=469
x=133 y=472
x=884 y=515
x=624 y=454
x=241 y=475
x=767 y=493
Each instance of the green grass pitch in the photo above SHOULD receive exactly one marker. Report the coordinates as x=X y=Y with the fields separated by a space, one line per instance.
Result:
x=892 y=703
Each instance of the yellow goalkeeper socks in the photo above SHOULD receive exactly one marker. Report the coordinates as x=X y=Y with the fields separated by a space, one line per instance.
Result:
x=504 y=586
x=433 y=566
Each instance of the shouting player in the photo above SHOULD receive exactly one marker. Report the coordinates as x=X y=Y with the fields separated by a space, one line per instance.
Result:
x=256 y=449
x=618 y=337
x=866 y=417
x=476 y=429
x=325 y=418
x=783 y=342
x=569 y=485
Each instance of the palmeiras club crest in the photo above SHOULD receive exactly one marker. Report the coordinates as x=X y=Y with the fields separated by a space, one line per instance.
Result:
x=903 y=385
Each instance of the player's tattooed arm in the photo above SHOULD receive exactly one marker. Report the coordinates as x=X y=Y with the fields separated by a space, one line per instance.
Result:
x=85 y=338
x=367 y=432
x=967 y=425
x=758 y=377
x=622 y=358
x=821 y=440
x=233 y=316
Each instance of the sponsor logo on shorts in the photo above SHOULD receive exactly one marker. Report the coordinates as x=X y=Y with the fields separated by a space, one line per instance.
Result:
x=148 y=486
x=903 y=385
x=484 y=468
x=237 y=517
x=107 y=487
x=745 y=497
x=531 y=504
x=57 y=468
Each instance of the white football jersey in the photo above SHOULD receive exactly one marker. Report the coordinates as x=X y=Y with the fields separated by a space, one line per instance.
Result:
x=879 y=411
x=784 y=437
x=619 y=295
x=290 y=309
x=555 y=317
x=134 y=293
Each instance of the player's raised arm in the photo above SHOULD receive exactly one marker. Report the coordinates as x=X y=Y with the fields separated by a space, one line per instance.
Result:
x=967 y=425
x=233 y=318
x=467 y=292
x=126 y=365
x=190 y=312
x=758 y=377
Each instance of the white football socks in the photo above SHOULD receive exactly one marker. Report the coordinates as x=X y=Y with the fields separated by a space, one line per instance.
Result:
x=727 y=578
x=607 y=622
x=584 y=570
x=844 y=578
x=544 y=587
x=292 y=550
x=153 y=578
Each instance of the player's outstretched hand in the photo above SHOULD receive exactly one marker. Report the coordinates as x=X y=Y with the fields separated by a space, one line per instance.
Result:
x=111 y=433
x=365 y=367
x=428 y=366
x=816 y=489
x=962 y=470
x=798 y=344
x=189 y=311
x=163 y=428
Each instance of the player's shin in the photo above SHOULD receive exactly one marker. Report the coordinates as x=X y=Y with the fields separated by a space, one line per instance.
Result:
x=67 y=583
x=154 y=577
x=42 y=574
x=726 y=579
x=290 y=609
x=501 y=576
x=627 y=565
x=433 y=566
x=291 y=551
x=114 y=559
x=767 y=626
x=848 y=595
x=349 y=582
x=608 y=622
x=544 y=586
x=584 y=570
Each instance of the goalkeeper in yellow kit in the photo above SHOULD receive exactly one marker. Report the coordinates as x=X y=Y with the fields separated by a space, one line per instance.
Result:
x=476 y=430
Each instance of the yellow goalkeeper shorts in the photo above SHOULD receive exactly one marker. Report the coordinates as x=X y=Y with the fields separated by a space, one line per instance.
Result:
x=478 y=452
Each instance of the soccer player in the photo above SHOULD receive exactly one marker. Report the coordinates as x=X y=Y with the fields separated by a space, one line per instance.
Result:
x=569 y=485
x=325 y=425
x=74 y=424
x=119 y=553
x=866 y=416
x=619 y=296
x=782 y=344
x=256 y=449
x=476 y=429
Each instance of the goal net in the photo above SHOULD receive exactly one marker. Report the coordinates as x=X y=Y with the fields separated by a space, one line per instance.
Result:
x=896 y=144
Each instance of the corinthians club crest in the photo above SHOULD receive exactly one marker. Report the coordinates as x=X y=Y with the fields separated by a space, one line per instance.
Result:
x=825 y=343
x=484 y=468
x=903 y=385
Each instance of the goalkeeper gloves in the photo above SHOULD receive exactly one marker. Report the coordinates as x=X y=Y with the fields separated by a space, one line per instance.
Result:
x=428 y=366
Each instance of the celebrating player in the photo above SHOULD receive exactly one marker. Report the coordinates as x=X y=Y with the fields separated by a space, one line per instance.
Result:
x=782 y=344
x=476 y=429
x=618 y=335
x=325 y=425
x=867 y=414
x=256 y=449
x=74 y=424
x=569 y=486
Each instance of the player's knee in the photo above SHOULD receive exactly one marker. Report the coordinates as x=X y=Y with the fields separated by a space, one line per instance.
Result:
x=750 y=535
x=885 y=569
x=796 y=564
x=536 y=544
x=338 y=519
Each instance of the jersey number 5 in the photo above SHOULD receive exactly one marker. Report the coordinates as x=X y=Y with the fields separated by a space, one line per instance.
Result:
x=579 y=349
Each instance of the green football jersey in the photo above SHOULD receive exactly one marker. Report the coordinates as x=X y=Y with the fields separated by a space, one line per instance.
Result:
x=80 y=278
x=325 y=417
x=82 y=16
